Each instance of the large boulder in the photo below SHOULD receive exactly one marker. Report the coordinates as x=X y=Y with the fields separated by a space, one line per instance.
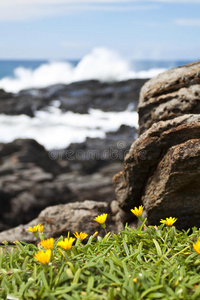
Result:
x=171 y=94
x=163 y=164
x=60 y=219
x=147 y=151
x=174 y=189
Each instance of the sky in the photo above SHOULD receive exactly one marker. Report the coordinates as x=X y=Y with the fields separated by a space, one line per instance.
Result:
x=69 y=29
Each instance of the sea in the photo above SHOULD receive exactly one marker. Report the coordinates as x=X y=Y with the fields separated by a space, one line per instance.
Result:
x=55 y=129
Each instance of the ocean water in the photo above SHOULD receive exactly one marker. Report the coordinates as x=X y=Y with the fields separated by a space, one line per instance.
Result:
x=55 y=129
x=101 y=64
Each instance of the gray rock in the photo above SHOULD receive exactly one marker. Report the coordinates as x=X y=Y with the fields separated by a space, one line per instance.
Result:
x=27 y=182
x=30 y=181
x=60 y=219
x=78 y=97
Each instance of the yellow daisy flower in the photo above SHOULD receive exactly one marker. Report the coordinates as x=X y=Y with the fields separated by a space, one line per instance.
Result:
x=196 y=246
x=47 y=244
x=169 y=221
x=101 y=218
x=80 y=235
x=66 y=244
x=43 y=257
x=138 y=211
x=37 y=228
x=33 y=229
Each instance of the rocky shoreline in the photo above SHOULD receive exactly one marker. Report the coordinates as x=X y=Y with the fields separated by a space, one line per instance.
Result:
x=159 y=168
x=77 y=97
x=32 y=178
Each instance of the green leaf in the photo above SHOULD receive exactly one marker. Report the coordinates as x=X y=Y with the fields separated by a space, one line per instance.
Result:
x=153 y=288
x=126 y=248
x=76 y=276
x=158 y=249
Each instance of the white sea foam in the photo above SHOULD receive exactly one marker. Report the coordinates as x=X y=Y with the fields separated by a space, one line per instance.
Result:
x=55 y=129
x=101 y=64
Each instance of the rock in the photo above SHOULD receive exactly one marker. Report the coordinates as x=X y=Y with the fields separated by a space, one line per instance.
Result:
x=97 y=186
x=145 y=154
x=171 y=94
x=174 y=189
x=94 y=153
x=30 y=181
x=78 y=97
x=26 y=151
x=82 y=96
x=60 y=219
x=162 y=168
x=27 y=182
x=22 y=103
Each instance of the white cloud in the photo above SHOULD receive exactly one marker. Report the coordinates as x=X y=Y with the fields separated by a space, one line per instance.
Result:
x=20 y=10
x=11 y=3
x=188 y=22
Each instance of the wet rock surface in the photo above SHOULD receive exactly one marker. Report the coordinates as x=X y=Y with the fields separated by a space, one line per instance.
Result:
x=77 y=97
x=162 y=168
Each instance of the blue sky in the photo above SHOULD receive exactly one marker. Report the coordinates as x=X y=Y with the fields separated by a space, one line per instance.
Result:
x=69 y=29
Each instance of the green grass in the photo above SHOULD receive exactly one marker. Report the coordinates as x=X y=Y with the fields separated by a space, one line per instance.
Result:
x=146 y=263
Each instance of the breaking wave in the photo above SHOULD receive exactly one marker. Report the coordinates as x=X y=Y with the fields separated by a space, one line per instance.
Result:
x=55 y=129
x=101 y=64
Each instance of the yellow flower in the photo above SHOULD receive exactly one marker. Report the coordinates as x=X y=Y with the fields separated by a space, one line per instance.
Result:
x=196 y=246
x=40 y=228
x=169 y=221
x=36 y=228
x=80 y=235
x=43 y=257
x=138 y=211
x=66 y=244
x=33 y=229
x=47 y=244
x=101 y=219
